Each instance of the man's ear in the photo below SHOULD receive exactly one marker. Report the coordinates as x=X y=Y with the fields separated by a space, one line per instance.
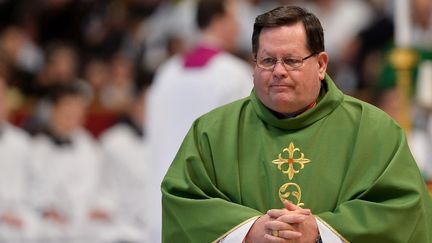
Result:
x=322 y=62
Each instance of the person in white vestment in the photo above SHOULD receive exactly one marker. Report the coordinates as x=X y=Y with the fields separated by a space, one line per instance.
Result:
x=420 y=134
x=247 y=11
x=17 y=222
x=65 y=166
x=125 y=170
x=187 y=86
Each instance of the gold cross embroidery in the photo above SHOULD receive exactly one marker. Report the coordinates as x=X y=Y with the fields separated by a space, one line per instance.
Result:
x=291 y=171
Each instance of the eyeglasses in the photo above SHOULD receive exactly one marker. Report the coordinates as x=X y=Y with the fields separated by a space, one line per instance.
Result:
x=290 y=63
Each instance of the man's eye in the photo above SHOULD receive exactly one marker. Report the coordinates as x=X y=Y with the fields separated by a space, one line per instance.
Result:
x=268 y=61
x=291 y=61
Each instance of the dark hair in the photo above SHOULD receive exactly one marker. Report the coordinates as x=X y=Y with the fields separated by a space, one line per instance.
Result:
x=207 y=10
x=290 y=15
x=76 y=88
x=144 y=79
x=5 y=66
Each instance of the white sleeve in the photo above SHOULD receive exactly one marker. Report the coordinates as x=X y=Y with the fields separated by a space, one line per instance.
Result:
x=328 y=235
x=238 y=235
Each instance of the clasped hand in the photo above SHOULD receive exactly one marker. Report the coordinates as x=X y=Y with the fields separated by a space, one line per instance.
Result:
x=289 y=224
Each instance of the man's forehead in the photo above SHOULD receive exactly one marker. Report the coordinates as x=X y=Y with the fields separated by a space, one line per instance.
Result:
x=282 y=38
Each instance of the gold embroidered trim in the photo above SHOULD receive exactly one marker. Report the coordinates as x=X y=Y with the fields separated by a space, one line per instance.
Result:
x=332 y=229
x=290 y=167
x=285 y=192
x=234 y=229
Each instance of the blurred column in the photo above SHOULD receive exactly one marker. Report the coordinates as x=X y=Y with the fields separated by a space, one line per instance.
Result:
x=403 y=58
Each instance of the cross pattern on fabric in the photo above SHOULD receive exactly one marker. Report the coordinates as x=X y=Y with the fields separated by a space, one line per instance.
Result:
x=290 y=167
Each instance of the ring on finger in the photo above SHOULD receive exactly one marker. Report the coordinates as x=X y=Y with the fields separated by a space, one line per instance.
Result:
x=275 y=233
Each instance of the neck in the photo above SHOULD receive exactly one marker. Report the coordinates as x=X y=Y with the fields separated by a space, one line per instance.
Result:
x=212 y=40
x=294 y=114
x=2 y=124
x=58 y=131
x=57 y=138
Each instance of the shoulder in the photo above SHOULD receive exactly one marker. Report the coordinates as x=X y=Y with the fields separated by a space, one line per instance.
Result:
x=16 y=133
x=15 y=138
x=84 y=138
x=234 y=73
x=232 y=62
x=224 y=114
x=116 y=135
x=167 y=68
x=114 y=132
x=171 y=62
x=41 y=145
x=362 y=107
x=368 y=115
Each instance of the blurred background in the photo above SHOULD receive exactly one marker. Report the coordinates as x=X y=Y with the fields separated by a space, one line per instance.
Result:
x=72 y=71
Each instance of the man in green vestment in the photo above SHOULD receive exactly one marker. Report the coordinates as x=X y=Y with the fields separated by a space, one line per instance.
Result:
x=297 y=160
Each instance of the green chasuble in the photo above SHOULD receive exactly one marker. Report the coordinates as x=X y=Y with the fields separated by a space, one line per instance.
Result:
x=344 y=159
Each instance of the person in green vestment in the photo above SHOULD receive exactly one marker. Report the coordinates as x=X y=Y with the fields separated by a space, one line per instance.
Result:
x=297 y=160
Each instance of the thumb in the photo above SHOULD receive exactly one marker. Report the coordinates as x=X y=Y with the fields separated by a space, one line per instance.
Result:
x=292 y=207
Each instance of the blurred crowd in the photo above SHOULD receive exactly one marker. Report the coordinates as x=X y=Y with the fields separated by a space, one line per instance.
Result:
x=75 y=76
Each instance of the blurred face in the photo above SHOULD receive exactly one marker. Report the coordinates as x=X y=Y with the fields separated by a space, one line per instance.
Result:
x=422 y=12
x=62 y=66
x=138 y=108
x=97 y=73
x=282 y=90
x=228 y=25
x=69 y=114
x=3 y=100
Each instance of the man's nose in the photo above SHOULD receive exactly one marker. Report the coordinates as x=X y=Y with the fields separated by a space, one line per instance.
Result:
x=279 y=69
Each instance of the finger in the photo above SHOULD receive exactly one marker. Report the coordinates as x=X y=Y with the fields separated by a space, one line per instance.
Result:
x=276 y=213
x=292 y=207
x=293 y=218
x=274 y=239
x=289 y=234
x=277 y=225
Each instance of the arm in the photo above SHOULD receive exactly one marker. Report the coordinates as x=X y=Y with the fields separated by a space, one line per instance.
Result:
x=382 y=190
x=289 y=223
x=192 y=203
